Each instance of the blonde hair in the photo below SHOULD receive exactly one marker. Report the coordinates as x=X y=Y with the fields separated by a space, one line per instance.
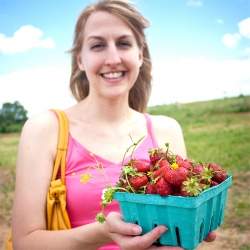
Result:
x=141 y=90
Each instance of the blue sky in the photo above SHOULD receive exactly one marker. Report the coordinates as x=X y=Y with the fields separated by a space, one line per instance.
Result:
x=200 y=50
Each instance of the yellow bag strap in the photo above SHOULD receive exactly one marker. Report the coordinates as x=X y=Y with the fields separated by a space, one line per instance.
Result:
x=62 y=145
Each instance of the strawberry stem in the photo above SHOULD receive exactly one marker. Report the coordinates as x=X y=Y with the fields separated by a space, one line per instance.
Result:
x=133 y=145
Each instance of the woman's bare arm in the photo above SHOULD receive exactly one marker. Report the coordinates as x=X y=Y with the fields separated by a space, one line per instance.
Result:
x=36 y=153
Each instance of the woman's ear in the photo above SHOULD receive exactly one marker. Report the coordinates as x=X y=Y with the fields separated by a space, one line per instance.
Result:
x=79 y=62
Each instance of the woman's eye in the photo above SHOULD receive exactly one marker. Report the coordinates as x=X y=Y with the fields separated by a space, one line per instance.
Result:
x=97 y=46
x=124 y=44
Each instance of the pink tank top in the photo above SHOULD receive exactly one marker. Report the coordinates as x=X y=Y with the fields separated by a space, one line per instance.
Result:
x=83 y=200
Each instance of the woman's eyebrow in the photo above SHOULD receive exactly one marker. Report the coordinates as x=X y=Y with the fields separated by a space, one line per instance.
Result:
x=95 y=37
x=102 y=38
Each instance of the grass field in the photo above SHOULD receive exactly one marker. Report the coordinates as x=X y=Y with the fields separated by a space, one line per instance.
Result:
x=215 y=131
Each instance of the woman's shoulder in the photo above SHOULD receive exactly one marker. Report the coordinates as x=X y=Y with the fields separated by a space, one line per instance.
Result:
x=162 y=122
x=42 y=128
x=167 y=129
x=46 y=120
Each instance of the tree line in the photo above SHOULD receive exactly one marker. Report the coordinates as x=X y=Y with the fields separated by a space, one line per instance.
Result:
x=12 y=117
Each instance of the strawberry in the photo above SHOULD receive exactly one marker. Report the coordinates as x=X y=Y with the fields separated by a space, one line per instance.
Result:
x=191 y=187
x=206 y=176
x=189 y=162
x=197 y=170
x=184 y=163
x=213 y=183
x=156 y=154
x=219 y=173
x=163 y=163
x=163 y=188
x=151 y=167
x=178 y=158
x=160 y=172
x=138 y=181
x=176 y=191
x=176 y=176
x=140 y=166
x=125 y=186
x=150 y=189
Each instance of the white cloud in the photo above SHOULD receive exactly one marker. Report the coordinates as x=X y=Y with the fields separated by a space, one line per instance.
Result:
x=187 y=80
x=231 y=40
x=23 y=39
x=219 y=21
x=246 y=53
x=244 y=28
x=195 y=3
x=37 y=89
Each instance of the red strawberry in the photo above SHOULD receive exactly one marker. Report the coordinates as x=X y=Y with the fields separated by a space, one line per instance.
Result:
x=137 y=182
x=163 y=163
x=178 y=158
x=156 y=154
x=126 y=186
x=176 y=189
x=183 y=164
x=163 y=188
x=176 y=176
x=197 y=170
x=219 y=173
x=213 y=183
x=150 y=189
x=183 y=192
x=189 y=162
x=191 y=187
x=160 y=172
x=151 y=167
x=141 y=166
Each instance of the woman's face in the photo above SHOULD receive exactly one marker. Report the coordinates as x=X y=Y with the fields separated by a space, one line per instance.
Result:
x=110 y=55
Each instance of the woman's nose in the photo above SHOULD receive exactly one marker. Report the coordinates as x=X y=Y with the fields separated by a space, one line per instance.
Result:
x=112 y=57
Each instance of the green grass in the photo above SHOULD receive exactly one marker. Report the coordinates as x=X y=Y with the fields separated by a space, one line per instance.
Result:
x=245 y=247
x=8 y=149
x=8 y=154
x=216 y=131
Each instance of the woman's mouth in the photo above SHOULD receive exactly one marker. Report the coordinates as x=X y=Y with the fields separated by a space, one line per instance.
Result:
x=114 y=75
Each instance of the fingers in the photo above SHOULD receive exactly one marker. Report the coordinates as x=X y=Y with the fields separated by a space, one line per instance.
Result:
x=124 y=234
x=145 y=241
x=115 y=224
x=210 y=237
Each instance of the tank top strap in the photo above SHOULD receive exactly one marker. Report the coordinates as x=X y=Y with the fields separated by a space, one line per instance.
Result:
x=150 y=130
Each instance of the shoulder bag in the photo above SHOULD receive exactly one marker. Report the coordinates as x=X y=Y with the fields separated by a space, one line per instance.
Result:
x=57 y=216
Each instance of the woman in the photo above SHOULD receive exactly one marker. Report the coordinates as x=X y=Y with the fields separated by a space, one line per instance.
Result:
x=111 y=79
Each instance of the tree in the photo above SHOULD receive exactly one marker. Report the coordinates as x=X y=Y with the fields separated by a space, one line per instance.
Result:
x=12 y=117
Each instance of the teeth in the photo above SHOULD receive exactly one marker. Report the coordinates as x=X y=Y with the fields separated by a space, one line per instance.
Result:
x=113 y=75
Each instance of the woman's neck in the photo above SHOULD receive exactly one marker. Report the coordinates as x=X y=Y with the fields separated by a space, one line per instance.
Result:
x=107 y=112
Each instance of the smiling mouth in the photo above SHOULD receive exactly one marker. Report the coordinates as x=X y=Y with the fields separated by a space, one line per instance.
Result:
x=114 y=75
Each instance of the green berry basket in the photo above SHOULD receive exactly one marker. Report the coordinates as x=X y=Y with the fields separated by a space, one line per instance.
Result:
x=188 y=219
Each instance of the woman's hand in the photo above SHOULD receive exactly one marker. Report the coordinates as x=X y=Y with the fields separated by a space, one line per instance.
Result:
x=127 y=235
x=210 y=237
